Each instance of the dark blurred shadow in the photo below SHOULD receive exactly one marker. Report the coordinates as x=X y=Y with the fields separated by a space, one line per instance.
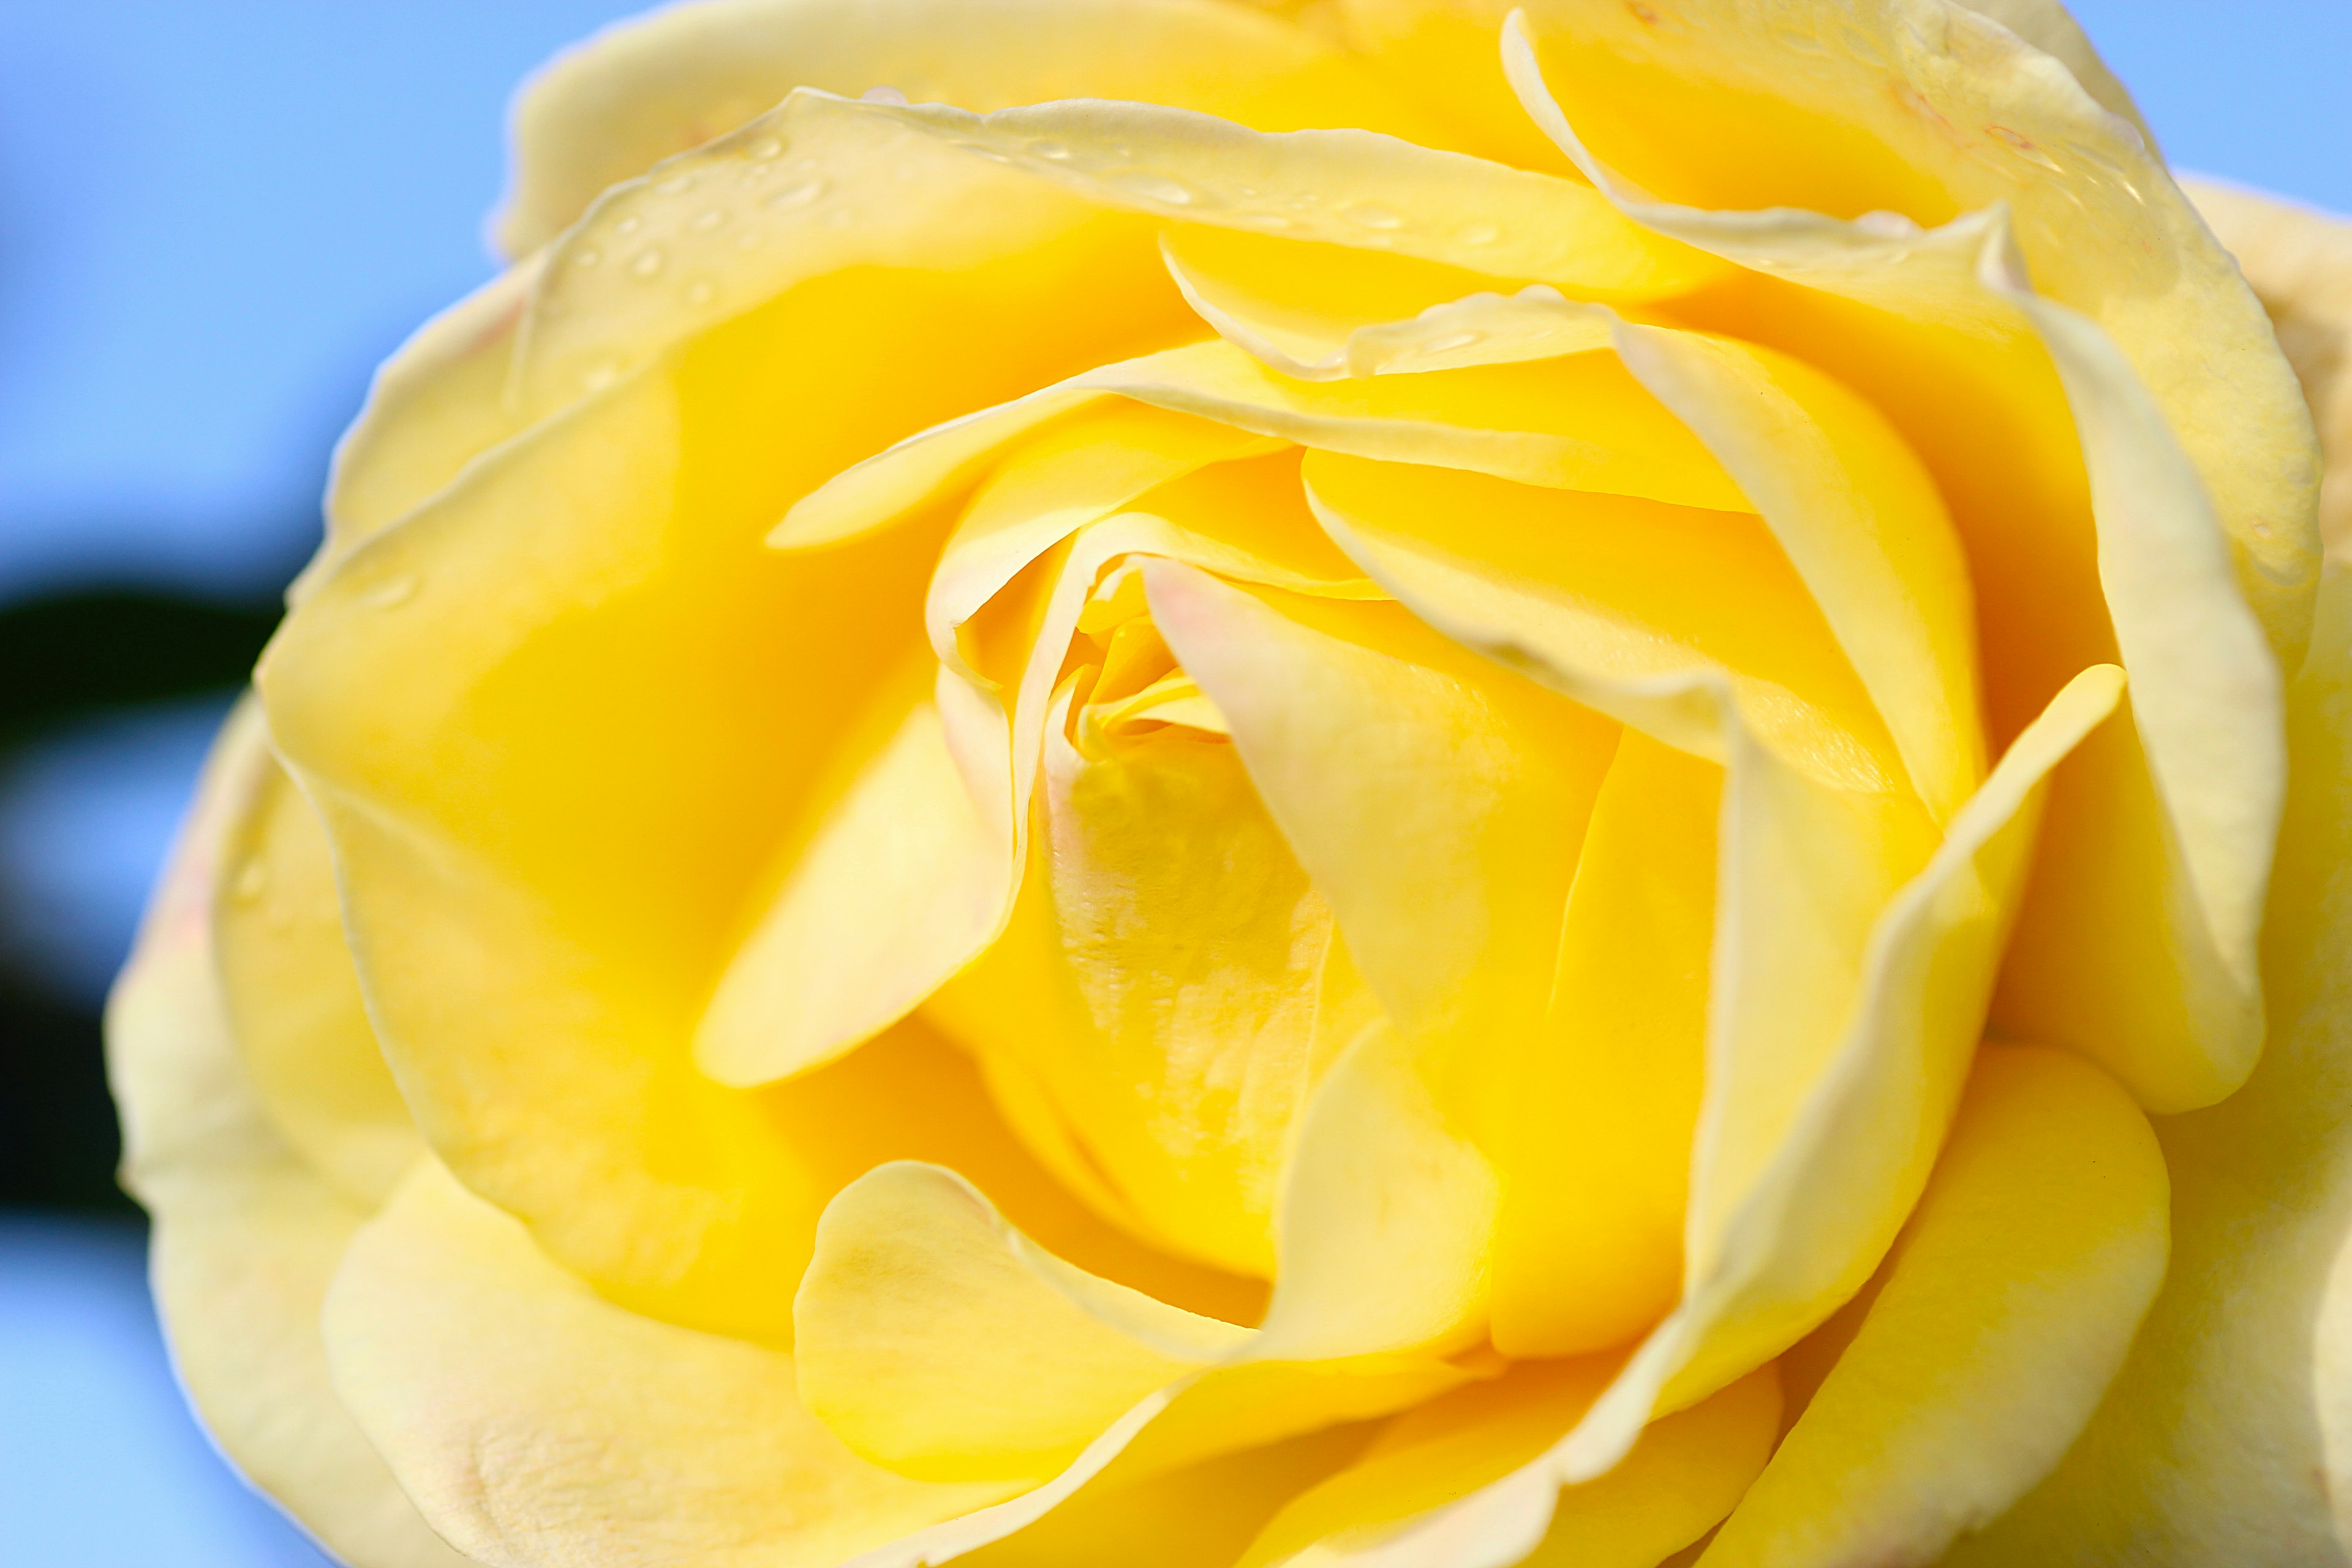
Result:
x=65 y=657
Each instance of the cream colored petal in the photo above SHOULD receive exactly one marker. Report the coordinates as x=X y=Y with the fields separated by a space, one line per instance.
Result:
x=2045 y=24
x=933 y=1337
x=293 y=1001
x=432 y=408
x=1862 y=523
x=904 y=882
x=537 y=1424
x=247 y=1233
x=2300 y=264
x=1351 y=187
x=1925 y=108
x=2006 y=1308
x=610 y=109
x=2225 y=1439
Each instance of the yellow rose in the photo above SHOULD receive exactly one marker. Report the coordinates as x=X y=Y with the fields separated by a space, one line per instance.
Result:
x=1386 y=785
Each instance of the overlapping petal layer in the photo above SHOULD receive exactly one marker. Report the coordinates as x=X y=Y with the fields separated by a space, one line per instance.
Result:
x=1251 y=799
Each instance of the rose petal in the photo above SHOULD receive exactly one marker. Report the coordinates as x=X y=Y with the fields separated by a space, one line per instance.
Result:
x=1570 y=578
x=612 y=108
x=1862 y=523
x=2006 y=1308
x=247 y=1233
x=461 y=1349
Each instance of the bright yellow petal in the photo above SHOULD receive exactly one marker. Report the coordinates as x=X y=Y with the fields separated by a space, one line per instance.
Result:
x=840 y=220
x=2006 y=1308
x=1318 y=312
x=1859 y=520
x=2206 y=713
x=1682 y=1476
x=1927 y=110
x=1436 y=801
x=563 y=807
x=1594 y=1113
x=933 y=1337
x=1353 y=187
x=2227 y=1436
x=635 y=94
x=903 y=882
x=1571 y=579
x=1781 y=1233
x=246 y=1231
x=461 y=1348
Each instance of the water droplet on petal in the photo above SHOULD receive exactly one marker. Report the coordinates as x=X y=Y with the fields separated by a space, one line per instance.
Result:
x=1481 y=233
x=711 y=219
x=628 y=226
x=1372 y=215
x=700 y=292
x=251 y=879
x=395 y=590
x=882 y=94
x=601 y=376
x=1152 y=186
x=1883 y=224
x=675 y=185
x=1452 y=340
x=765 y=148
x=1052 y=152
x=586 y=257
x=648 y=262
x=1262 y=219
x=796 y=195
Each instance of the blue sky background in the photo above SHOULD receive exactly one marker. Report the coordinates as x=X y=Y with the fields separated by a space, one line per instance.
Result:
x=214 y=216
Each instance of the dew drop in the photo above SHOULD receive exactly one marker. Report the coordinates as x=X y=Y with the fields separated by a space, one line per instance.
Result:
x=675 y=185
x=1452 y=340
x=711 y=219
x=794 y=197
x=1152 y=186
x=601 y=376
x=748 y=239
x=765 y=148
x=1884 y=225
x=587 y=258
x=648 y=262
x=1481 y=233
x=1372 y=215
x=882 y=94
x=252 y=877
x=701 y=291
x=628 y=226
x=1263 y=220
x=395 y=590
x=1052 y=152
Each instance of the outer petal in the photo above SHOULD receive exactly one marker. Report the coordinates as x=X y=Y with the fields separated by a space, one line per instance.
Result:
x=2223 y=1440
x=2299 y=263
x=2003 y=1311
x=247 y=1233
x=610 y=109
x=1929 y=109
x=537 y=1424
x=2166 y=842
